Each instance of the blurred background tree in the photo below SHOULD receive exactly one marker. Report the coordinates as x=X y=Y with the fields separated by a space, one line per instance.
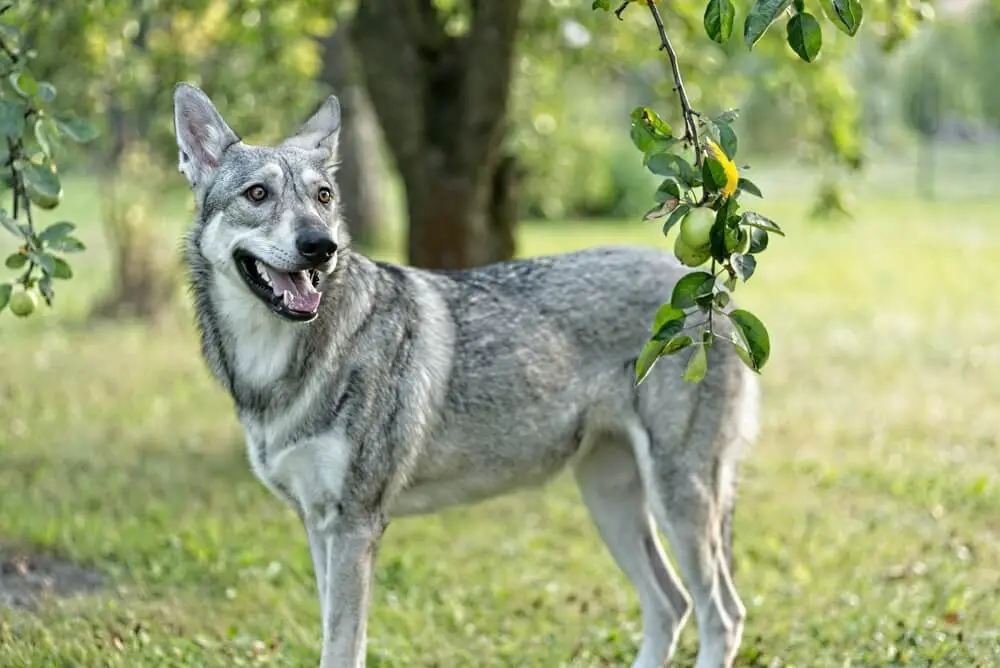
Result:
x=463 y=117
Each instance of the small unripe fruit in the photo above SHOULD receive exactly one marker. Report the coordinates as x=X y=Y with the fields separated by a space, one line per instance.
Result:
x=23 y=303
x=696 y=228
x=691 y=257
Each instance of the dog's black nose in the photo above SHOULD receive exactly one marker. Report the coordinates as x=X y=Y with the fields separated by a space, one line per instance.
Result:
x=315 y=245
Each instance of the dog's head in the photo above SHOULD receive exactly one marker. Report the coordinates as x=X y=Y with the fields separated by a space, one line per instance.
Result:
x=268 y=226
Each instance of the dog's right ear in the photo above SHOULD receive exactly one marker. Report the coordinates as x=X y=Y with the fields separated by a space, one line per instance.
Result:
x=202 y=134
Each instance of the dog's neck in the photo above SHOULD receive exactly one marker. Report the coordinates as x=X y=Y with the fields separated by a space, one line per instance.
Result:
x=259 y=357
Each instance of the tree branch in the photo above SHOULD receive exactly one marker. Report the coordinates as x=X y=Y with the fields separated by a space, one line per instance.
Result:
x=690 y=125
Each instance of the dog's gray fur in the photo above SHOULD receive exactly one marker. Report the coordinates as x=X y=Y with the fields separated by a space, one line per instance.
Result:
x=415 y=390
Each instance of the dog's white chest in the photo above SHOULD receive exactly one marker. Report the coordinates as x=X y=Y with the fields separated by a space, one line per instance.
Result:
x=311 y=471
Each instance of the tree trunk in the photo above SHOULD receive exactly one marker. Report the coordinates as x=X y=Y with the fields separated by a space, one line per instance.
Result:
x=442 y=103
x=361 y=165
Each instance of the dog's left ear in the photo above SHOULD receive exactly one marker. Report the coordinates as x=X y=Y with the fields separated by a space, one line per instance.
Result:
x=321 y=131
x=202 y=134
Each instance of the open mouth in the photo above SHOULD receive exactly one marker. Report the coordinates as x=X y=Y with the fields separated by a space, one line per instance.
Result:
x=291 y=294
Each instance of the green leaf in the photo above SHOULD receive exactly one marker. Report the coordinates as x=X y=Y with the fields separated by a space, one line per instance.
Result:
x=43 y=185
x=754 y=334
x=758 y=240
x=846 y=15
x=675 y=217
x=12 y=118
x=5 y=291
x=70 y=245
x=655 y=147
x=748 y=186
x=761 y=16
x=805 y=36
x=61 y=268
x=677 y=344
x=719 y=15
x=668 y=190
x=690 y=288
x=754 y=219
x=46 y=92
x=657 y=126
x=45 y=287
x=56 y=230
x=697 y=365
x=647 y=128
x=718 y=233
x=668 y=164
x=45 y=261
x=47 y=135
x=713 y=174
x=743 y=265
x=10 y=33
x=16 y=261
x=670 y=326
x=721 y=299
x=727 y=117
x=601 y=4
x=742 y=353
x=728 y=140
x=647 y=359
x=75 y=128
x=640 y=137
x=666 y=313
x=660 y=210
x=10 y=224
x=24 y=84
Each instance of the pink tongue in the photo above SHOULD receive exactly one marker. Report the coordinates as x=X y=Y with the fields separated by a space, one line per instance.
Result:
x=298 y=292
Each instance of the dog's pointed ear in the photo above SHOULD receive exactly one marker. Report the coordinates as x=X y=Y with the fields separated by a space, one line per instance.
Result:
x=202 y=134
x=321 y=131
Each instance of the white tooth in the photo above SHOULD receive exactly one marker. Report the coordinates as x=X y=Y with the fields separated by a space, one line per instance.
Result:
x=263 y=272
x=286 y=298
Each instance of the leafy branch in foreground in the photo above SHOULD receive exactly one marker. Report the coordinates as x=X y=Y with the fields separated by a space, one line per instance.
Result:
x=702 y=187
x=31 y=131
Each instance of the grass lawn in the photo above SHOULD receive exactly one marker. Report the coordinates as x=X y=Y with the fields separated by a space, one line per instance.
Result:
x=867 y=533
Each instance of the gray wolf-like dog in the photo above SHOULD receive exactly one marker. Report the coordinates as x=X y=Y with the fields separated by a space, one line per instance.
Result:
x=369 y=391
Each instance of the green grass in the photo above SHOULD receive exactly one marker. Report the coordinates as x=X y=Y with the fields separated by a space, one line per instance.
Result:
x=867 y=533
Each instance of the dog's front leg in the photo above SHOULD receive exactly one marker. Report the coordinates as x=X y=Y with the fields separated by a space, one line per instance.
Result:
x=350 y=551
x=318 y=551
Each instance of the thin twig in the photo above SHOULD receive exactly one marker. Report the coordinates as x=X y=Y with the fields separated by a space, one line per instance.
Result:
x=19 y=196
x=711 y=310
x=618 y=12
x=690 y=126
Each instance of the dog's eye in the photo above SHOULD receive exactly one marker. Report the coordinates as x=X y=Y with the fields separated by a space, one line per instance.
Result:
x=256 y=193
x=325 y=196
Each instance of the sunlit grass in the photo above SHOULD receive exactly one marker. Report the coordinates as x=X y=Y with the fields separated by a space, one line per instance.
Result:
x=867 y=529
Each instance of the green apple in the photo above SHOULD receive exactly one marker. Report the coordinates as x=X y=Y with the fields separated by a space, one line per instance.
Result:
x=696 y=227
x=23 y=303
x=691 y=257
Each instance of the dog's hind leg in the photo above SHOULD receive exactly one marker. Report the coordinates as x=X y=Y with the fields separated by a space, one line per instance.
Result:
x=687 y=485
x=611 y=488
